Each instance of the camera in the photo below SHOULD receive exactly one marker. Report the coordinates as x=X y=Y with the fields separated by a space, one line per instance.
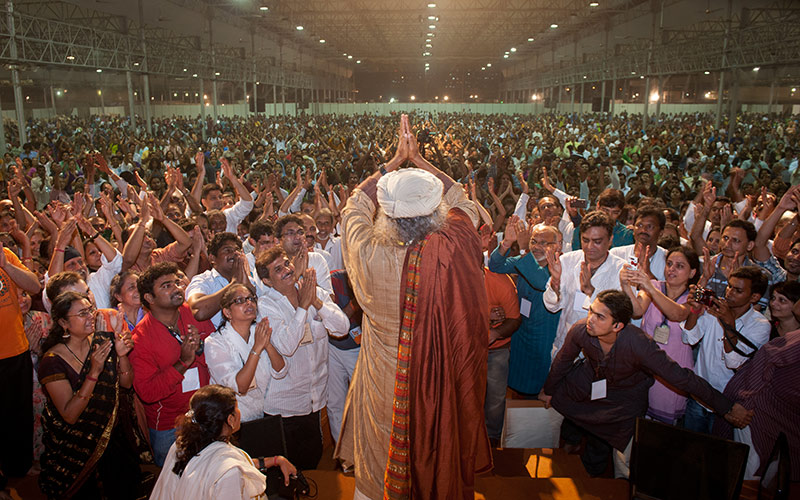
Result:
x=704 y=296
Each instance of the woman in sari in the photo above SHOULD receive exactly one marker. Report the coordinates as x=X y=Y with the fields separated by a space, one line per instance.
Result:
x=91 y=450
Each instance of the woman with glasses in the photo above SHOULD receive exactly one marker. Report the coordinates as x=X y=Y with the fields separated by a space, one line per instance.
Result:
x=91 y=448
x=240 y=356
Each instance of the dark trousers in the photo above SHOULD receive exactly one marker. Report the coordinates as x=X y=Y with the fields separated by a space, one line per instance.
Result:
x=16 y=416
x=297 y=438
x=596 y=452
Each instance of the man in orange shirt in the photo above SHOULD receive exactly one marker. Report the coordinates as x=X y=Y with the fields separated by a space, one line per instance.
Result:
x=503 y=322
x=16 y=369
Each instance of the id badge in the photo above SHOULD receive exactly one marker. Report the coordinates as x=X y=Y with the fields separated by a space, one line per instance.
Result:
x=191 y=380
x=661 y=334
x=355 y=334
x=598 y=389
x=307 y=337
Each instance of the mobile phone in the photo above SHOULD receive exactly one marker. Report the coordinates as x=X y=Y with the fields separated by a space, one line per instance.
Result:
x=580 y=204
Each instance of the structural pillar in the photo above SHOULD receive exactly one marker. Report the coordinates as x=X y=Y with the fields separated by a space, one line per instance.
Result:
x=580 y=107
x=613 y=95
x=131 y=111
x=646 y=102
x=18 y=103
x=603 y=96
x=274 y=99
x=572 y=100
x=145 y=78
x=660 y=93
x=203 y=109
x=2 y=134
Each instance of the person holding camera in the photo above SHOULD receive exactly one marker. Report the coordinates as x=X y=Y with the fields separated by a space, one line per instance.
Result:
x=203 y=464
x=168 y=361
x=728 y=335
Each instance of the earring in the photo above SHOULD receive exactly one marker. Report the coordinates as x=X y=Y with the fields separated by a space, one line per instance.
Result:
x=65 y=335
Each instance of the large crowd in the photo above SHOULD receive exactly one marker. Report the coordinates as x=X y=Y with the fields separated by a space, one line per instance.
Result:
x=164 y=292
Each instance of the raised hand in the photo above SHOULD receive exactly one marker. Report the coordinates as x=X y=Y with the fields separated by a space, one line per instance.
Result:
x=142 y=184
x=523 y=184
x=586 y=279
x=523 y=235
x=553 y=256
x=308 y=288
x=65 y=234
x=510 y=232
x=546 y=181
x=98 y=357
x=263 y=334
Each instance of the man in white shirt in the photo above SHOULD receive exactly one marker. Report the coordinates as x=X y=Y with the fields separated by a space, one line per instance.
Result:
x=205 y=291
x=211 y=198
x=729 y=335
x=647 y=228
x=291 y=233
x=578 y=276
x=261 y=239
x=301 y=315
x=326 y=241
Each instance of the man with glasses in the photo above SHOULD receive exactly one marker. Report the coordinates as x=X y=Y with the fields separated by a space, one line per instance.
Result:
x=168 y=362
x=229 y=266
x=289 y=229
x=531 y=344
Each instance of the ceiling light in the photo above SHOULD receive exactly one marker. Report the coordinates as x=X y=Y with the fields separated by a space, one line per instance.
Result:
x=263 y=8
x=321 y=40
x=594 y=4
x=349 y=57
x=554 y=26
x=431 y=26
x=641 y=77
x=428 y=40
x=483 y=68
x=794 y=89
x=633 y=72
x=706 y=72
x=99 y=70
x=513 y=49
x=654 y=97
x=431 y=5
x=70 y=58
x=431 y=34
x=217 y=73
x=505 y=56
x=447 y=98
x=345 y=54
x=756 y=68
x=431 y=18
x=506 y=52
x=413 y=98
x=299 y=28
x=489 y=65
x=136 y=64
x=194 y=75
x=530 y=39
x=428 y=45
x=358 y=61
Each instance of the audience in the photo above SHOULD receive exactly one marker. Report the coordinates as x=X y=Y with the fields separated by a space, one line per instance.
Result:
x=173 y=232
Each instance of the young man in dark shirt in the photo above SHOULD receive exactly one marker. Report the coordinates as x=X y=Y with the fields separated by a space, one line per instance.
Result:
x=604 y=393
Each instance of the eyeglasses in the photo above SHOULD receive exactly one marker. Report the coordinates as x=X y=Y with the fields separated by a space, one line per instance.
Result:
x=241 y=300
x=86 y=313
x=291 y=233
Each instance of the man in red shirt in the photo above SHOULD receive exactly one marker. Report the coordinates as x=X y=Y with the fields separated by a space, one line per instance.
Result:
x=168 y=362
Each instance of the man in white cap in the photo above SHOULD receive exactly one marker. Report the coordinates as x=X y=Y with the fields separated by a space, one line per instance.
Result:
x=413 y=420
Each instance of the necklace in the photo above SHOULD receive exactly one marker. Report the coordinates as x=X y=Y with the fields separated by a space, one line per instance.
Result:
x=75 y=355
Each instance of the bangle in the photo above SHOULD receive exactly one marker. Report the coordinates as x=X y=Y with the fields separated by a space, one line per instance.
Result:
x=275 y=460
x=81 y=397
x=696 y=312
x=254 y=353
x=89 y=377
x=93 y=237
x=60 y=250
x=182 y=363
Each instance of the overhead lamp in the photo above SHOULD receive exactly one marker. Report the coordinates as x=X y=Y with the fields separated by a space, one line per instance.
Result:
x=431 y=34
x=447 y=98
x=641 y=77
x=505 y=56
x=427 y=39
x=513 y=49
x=554 y=26
x=358 y=61
x=195 y=94
x=216 y=73
x=321 y=40
x=99 y=70
x=594 y=4
x=299 y=28
x=483 y=68
x=489 y=65
x=584 y=77
x=431 y=5
x=431 y=18
x=794 y=89
x=349 y=57
x=184 y=69
x=428 y=45
x=136 y=64
x=194 y=75
x=70 y=58
x=530 y=39
x=654 y=97
x=431 y=26
x=413 y=98
x=58 y=93
x=633 y=72
x=263 y=8
x=756 y=68
x=506 y=52
x=706 y=72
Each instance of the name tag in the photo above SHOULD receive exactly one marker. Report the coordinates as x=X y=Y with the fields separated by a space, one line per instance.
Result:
x=598 y=389
x=191 y=380
x=525 y=307
x=307 y=337
x=661 y=334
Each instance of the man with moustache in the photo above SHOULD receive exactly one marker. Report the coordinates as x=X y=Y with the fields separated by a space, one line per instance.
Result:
x=531 y=344
x=647 y=228
x=291 y=232
x=168 y=362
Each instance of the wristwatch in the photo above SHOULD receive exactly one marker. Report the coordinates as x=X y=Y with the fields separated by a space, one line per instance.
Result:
x=383 y=170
